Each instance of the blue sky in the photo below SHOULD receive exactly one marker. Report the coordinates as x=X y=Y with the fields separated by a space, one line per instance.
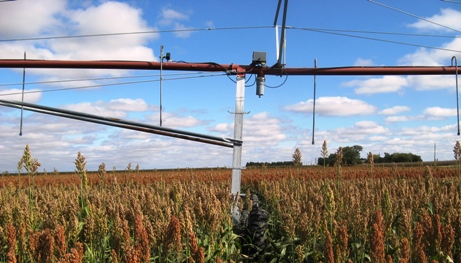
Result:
x=381 y=113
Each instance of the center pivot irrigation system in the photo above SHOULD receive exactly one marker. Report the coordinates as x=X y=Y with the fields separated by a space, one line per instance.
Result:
x=257 y=67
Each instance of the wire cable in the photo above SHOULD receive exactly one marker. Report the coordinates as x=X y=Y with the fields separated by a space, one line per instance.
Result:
x=134 y=33
x=373 y=32
x=451 y=1
x=108 y=84
x=386 y=41
x=278 y=86
x=93 y=79
x=412 y=15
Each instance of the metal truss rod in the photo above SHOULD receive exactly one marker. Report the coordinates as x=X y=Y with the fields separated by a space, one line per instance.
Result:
x=225 y=142
x=229 y=68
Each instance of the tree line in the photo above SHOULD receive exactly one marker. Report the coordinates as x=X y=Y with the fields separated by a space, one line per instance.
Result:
x=351 y=156
x=346 y=156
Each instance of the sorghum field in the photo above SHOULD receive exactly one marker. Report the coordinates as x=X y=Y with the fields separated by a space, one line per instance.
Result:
x=316 y=214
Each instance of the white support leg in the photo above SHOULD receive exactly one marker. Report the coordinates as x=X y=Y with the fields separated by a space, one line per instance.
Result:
x=237 y=154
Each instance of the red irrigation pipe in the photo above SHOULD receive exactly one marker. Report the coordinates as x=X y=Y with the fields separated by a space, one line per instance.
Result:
x=229 y=68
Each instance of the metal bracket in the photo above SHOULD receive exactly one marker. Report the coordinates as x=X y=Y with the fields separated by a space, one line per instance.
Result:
x=239 y=168
x=233 y=112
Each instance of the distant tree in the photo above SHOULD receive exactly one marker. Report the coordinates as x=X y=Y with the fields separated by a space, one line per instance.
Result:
x=343 y=156
x=377 y=158
x=331 y=159
x=387 y=158
x=297 y=157
x=397 y=158
x=324 y=151
x=351 y=155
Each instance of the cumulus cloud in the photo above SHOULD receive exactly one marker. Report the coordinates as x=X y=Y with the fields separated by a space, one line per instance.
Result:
x=263 y=128
x=360 y=132
x=333 y=106
x=394 y=110
x=124 y=104
x=432 y=82
x=429 y=114
x=117 y=108
x=385 y=84
x=108 y=17
x=222 y=128
x=398 y=118
x=420 y=57
x=260 y=130
x=447 y=17
x=29 y=18
x=363 y=62
x=54 y=18
x=420 y=130
x=170 y=17
x=172 y=120
x=32 y=95
x=439 y=113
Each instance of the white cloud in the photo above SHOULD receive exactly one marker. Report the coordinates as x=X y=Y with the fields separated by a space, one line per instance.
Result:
x=210 y=24
x=51 y=18
x=363 y=62
x=419 y=130
x=394 y=110
x=99 y=108
x=429 y=114
x=173 y=120
x=333 y=106
x=169 y=16
x=385 y=84
x=263 y=129
x=32 y=95
x=182 y=30
x=447 y=17
x=432 y=57
x=116 y=108
x=398 y=119
x=260 y=131
x=378 y=138
x=222 y=128
x=128 y=105
x=425 y=82
x=439 y=113
x=109 y=17
x=361 y=133
x=29 y=18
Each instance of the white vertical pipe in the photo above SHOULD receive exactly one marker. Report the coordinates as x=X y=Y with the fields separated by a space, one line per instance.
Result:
x=277 y=42
x=161 y=78
x=237 y=152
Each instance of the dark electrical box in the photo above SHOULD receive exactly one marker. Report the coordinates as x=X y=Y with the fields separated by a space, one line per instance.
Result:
x=259 y=58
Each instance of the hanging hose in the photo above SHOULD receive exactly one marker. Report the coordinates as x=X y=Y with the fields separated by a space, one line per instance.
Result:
x=313 y=111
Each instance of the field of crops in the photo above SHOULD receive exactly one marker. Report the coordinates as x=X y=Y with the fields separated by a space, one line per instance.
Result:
x=316 y=214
